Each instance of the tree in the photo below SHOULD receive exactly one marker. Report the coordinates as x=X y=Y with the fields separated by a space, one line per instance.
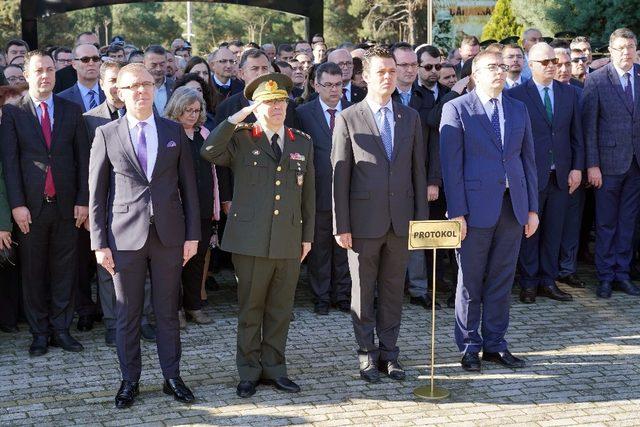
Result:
x=389 y=20
x=9 y=20
x=502 y=23
x=339 y=24
x=535 y=14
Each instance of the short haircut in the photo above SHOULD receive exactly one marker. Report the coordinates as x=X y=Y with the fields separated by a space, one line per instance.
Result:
x=157 y=49
x=622 y=33
x=135 y=53
x=282 y=64
x=482 y=55
x=513 y=46
x=251 y=53
x=300 y=42
x=576 y=51
x=85 y=33
x=348 y=45
x=432 y=51
x=113 y=48
x=236 y=43
x=400 y=46
x=284 y=47
x=253 y=45
x=75 y=48
x=135 y=67
x=16 y=42
x=447 y=65
x=375 y=52
x=180 y=99
x=495 y=47
x=32 y=54
x=13 y=66
x=529 y=31
x=561 y=51
x=330 y=68
x=110 y=65
x=581 y=39
x=60 y=50
x=469 y=40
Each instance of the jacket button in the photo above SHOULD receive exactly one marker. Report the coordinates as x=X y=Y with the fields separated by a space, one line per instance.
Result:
x=277 y=197
x=255 y=163
x=235 y=214
x=279 y=168
x=277 y=182
x=276 y=212
x=391 y=194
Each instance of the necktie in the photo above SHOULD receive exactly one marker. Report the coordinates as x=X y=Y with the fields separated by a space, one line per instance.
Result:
x=92 y=99
x=121 y=112
x=141 y=151
x=495 y=119
x=45 y=124
x=405 y=97
x=514 y=84
x=332 y=118
x=385 y=133
x=547 y=104
x=275 y=147
x=627 y=89
x=344 y=92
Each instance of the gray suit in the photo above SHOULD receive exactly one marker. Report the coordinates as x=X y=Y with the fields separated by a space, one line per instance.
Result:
x=374 y=199
x=120 y=201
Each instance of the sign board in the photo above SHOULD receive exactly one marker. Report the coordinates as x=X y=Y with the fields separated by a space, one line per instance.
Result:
x=434 y=235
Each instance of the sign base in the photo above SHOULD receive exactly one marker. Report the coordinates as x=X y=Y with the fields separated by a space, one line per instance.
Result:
x=431 y=393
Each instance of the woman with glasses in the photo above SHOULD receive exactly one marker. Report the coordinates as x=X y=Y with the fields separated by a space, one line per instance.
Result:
x=199 y=66
x=187 y=107
x=194 y=81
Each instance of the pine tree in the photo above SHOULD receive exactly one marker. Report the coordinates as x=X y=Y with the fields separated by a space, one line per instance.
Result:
x=502 y=23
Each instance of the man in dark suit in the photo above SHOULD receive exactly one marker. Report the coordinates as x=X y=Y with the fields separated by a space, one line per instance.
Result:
x=223 y=65
x=86 y=92
x=67 y=76
x=379 y=185
x=611 y=122
x=144 y=215
x=328 y=265
x=155 y=59
x=557 y=137
x=350 y=92
x=45 y=154
x=489 y=173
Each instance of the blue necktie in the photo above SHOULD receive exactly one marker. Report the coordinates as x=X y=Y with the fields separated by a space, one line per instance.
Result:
x=495 y=119
x=406 y=98
x=385 y=133
x=92 y=99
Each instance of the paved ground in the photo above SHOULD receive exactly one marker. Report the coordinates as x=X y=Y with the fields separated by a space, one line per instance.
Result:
x=582 y=369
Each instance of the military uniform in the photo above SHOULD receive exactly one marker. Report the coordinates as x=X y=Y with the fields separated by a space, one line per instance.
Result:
x=272 y=213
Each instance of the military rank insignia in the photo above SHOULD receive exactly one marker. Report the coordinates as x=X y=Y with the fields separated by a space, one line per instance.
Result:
x=256 y=152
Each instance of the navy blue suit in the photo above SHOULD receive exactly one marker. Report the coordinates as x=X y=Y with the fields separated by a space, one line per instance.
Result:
x=558 y=141
x=475 y=169
x=73 y=94
x=612 y=139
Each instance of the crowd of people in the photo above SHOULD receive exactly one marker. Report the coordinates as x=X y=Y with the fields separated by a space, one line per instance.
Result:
x=138 y=173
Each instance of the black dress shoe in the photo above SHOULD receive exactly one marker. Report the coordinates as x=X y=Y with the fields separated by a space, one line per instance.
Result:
x=344 y=306
x=110 y=337
x=572 y=280
x=504 y=358
x=604 y=289
x=85 y=323
x=66 y=342
x=423 y=301
x=528 y=295
x=554 y=292
x=321 y=308
x=627 y=287
x=127 y=393
x=282 y=383
x=9 y=329
x=38 y=346
x=177 y=388
x=370 y=373
x=471 y=362
x=148 y=333
x=246 y=388
x=393 y=369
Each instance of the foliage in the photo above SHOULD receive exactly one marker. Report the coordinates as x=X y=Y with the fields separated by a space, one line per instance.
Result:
x=502 y=23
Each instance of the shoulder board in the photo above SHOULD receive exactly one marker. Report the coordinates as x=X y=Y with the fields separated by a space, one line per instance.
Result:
x=299 y=132
x=244 y=126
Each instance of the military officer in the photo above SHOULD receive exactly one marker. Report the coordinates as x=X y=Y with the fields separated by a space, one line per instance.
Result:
x=270 y=226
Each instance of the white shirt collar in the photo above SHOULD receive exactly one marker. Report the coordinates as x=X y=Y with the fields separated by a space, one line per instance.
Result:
x=269 y=133
x=133 y=122
x=621 y=73
x=325 y=107
x=347 y=87
x=541 y=86
x=518 y=80
x=484 y=98
x=85 y=90
x=48 y=101
x=375 y=107
x=219 y=83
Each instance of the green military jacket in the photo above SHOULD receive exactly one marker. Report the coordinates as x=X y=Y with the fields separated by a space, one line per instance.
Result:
x=5 y=212
x=273 y=209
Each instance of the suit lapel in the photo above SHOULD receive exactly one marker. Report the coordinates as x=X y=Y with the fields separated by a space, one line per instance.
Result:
x=615 y=81
x=558 y=102
x=58 y=120
x=399 y=126
x=508 y=122
x=321 y=117
x=263 y=142
x=28 y=106
x=532 y=91
x=122 y=130
x=367 y=117
x=481 y=116
x=162 y=145
x=636 y=90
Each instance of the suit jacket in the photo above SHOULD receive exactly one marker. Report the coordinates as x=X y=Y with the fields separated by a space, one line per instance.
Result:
x=73 y=94
x=474 y=162
x=273 y=208
x=65 y=78
x=312 y=121
x=423 y=101
x=357 y=93
x=101 y=115
x=561 y=138
x=236 y=86
x=611 y=124
x=370 y=192
x=121 y=194
x=5 y=211
x=26 y=157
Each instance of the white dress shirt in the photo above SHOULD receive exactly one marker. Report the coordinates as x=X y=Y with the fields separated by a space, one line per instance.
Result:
x=86 y=98
x=151 y=135
x=49 y=102
x=377 y=115
x=325 y=107
x=512 y=83
x=623 y=79
x=347 y=89
x=541 y=93
x=160 y=97
x=219 y=83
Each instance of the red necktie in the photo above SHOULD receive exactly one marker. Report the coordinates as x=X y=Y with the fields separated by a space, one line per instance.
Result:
x=332 y=118
x=45 y=124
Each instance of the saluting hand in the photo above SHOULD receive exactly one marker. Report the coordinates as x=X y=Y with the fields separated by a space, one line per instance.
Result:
x=105 y=259
x=244 y=113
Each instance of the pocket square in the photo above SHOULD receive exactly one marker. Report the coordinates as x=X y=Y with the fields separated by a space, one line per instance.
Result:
x=171 y=144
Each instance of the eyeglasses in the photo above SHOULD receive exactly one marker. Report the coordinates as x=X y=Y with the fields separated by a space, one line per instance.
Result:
x=408 y=65
x=331 y=85
x=87 y=59
x=580 y=59
x=546 y=62
x=631 y=47
x=15 y=79
x=64 y=61
x=192 y=110
x=226 y=61
x=430 y=67
x=345 y=64
x=137 y=86
x=496 y=67
x=517 y=56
